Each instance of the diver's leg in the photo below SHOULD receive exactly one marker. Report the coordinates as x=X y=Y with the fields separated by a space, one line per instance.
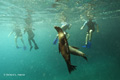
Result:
x=86 y=39
x=36 y=47
x=30 y=44
x=89 y=38
x=23 y=43
x=16 y=41
x=33 y=41
x=90 y=34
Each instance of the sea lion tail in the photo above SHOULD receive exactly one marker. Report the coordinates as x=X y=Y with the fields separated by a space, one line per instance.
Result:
x=71 y=67
x=85 y=58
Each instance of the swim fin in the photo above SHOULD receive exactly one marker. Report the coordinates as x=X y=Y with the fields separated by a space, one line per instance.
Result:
x=89 y=44
x=55 y=41
x=84 y=46
x=36 y=47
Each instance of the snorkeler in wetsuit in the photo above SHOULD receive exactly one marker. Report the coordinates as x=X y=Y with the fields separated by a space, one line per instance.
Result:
x=64 y=27
x=91 y=28
x=18 y=33
x=31 y=37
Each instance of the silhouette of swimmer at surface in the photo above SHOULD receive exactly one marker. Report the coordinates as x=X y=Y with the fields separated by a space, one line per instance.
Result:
x=18 y=34
x=31 y=37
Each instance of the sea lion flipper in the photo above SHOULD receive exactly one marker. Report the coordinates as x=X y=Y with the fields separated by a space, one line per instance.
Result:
x=71 y=67
x=75 y=47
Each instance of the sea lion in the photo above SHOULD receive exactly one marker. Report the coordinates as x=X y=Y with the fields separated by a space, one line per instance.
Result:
x=64 y=48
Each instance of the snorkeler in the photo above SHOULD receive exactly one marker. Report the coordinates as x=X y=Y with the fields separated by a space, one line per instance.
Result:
x=28 y=29
x=91 y=28
x=64 y=27
x=30 y=37
x=18 y=33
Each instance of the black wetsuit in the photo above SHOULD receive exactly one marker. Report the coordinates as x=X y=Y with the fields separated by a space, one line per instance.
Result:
x=30 y=37
x=30 y=33
x=91 y=26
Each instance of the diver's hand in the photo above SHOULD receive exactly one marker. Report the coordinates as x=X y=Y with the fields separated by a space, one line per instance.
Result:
x=81 y=28
x=10 y=34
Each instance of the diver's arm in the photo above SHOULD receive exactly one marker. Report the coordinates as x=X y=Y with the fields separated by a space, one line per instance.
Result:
x=70 y=26
x=10 y=34
x=62 y=26
x=83 y=25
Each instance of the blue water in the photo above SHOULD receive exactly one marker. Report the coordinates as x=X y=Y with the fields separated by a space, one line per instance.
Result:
x=46 y=63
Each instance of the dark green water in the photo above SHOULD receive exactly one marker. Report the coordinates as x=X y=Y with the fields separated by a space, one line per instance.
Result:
x=46 y=63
